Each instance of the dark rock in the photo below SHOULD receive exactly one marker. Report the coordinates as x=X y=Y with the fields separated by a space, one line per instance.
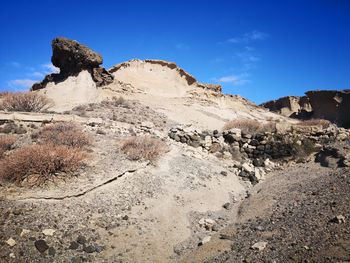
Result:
x=258 y=162
x=224 y=173
x=81 y=239
x=52 y=251
x=71 y=56
x=73 y=245
x=98 y=248
x=229 y=138
x=89 y=249
x=126 y=217
x=41 y=245
x=227 y=206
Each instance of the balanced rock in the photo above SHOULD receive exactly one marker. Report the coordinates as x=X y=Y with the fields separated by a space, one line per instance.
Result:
x=71 y=58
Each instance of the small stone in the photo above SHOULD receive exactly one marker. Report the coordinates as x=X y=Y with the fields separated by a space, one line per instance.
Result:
x=73 y=245
x=224 y=173
x=11 y=242
x=338 y=219
x=126 y=217
x=41 y=245
x=89 y=249
x=81 y=239
x=204 y=240
x=227 y=206
x=52 y=251
x=12 y=255
x=215 y=228
x=98 y=248
x=24 y=232
x=260 y=246
x=49 y=232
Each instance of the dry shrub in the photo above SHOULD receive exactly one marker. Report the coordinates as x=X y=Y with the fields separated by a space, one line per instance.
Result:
x=3 y=94
x=143 y=147
x=37 y=164
x=64 y=133
x=6 y=143
x=249 y=126
x=25 y=101
x=316 y=122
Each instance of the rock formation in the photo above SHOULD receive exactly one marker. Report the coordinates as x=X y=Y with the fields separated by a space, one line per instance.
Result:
x=190 y=80
x=331 y=105
x=290 y=106
x=71 y=58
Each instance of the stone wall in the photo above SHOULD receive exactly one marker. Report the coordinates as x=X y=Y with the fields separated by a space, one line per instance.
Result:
x=253 y=151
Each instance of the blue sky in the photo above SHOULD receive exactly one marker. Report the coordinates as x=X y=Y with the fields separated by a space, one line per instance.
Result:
x=259 y=49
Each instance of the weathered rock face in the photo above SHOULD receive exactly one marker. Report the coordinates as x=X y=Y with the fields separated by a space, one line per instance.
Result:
x=290 y=106
x=331 y=105
x=71 y=58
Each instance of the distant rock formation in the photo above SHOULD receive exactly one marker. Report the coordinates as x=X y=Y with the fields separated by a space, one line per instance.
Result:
x=331 y=105
x=71 y=58
x=290 y=106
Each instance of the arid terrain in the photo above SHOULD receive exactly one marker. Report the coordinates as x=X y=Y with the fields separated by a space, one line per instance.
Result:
x=143 y=163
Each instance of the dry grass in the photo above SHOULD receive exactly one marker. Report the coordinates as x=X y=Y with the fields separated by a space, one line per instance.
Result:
x=64 y=133
x=6 y=142
x=316 y=122
x=37 y=164
x=143 y=147
x=25 y=101
x=249 y=126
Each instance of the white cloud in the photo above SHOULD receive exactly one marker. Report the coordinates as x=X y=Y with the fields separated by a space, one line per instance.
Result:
x=248 y=37
x=21 y=83
x=235 y=79
x=49 y=68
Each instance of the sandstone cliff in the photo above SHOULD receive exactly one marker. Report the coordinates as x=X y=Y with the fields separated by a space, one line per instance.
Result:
x=331 y=105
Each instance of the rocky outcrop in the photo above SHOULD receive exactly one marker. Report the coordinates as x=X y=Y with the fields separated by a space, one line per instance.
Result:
x=330 y=105
x=290 y=106
x=191 y=80
x=71 y=58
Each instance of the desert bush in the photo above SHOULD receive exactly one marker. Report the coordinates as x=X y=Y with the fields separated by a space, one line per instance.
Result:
x=316 y=122
x=143 y=147
x=6 y=143
x=25 y=101
x=64 y=133
x=249 y=126
x=37 y=164
x=12 y=127
x=117 y=102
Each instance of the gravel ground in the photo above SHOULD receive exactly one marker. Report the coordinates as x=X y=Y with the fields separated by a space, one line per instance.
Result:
x=308 y=221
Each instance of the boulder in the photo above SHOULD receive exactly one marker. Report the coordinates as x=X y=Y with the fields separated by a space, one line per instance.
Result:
x=71 y=58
